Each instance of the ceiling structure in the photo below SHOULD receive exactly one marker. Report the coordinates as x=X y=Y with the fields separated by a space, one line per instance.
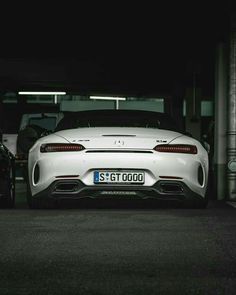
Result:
x=158 y=57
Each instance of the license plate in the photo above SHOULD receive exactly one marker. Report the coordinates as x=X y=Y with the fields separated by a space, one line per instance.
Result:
x=118 y=177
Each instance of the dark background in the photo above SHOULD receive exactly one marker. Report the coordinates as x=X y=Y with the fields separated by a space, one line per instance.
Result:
x=136 y=49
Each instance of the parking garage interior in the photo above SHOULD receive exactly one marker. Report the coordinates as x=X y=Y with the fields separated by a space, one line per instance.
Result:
x=188 y=72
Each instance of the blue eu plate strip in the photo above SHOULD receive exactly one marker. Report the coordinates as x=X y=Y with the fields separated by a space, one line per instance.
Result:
x=96 y=176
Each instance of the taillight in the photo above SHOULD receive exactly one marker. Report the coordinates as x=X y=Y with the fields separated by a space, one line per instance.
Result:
x=61 y=147
x=176 y=148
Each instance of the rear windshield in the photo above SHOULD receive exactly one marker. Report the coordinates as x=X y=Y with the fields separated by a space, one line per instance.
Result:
x=116 y=118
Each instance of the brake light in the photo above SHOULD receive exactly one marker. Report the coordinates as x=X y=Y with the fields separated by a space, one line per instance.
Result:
x=61 y=147
x=176 y=148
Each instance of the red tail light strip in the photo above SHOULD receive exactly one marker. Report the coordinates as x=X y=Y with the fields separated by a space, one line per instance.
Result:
x=176 y=148
x=61 y=147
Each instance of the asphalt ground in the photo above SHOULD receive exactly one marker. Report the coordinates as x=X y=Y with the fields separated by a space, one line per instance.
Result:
x=117 y=250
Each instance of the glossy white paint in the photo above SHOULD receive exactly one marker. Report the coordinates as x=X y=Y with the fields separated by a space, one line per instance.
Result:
x=83 y=163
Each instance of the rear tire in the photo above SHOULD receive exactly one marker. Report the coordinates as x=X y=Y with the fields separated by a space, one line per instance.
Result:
x=41 y=204
x=196 y=204
x=38 y=203
x=9 y=190
x=201 y=204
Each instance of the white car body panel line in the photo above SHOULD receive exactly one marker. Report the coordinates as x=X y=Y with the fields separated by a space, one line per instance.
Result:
x=118 y=149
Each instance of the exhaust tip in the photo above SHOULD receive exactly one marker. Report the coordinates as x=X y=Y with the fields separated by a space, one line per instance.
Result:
x=66 y=187
x=171 y=188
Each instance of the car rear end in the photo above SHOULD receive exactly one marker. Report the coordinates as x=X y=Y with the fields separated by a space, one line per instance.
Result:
x=130 y=166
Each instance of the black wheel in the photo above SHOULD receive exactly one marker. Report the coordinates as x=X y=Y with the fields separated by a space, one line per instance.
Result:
x=38 y=203
x=41 y=204
x=12 y=189
x=201 y=204
x=28 y=195
x=8 y=186
x=196 y=204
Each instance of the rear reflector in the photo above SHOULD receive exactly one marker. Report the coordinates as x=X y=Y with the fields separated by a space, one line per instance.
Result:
x=176 y=148
x=170 y=177
x=67 y=176
x=61 y=147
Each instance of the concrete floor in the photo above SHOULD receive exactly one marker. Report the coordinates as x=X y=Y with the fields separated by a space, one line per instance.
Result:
x=117 y=250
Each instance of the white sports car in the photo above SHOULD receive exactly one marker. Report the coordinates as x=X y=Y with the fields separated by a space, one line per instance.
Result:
x=117 y=154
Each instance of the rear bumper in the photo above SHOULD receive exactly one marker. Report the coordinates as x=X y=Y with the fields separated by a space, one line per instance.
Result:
x=161 y=190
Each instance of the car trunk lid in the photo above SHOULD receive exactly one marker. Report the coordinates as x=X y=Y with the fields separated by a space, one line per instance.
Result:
x=118 y=138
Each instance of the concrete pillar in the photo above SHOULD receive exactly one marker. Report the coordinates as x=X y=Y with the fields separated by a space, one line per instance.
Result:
x=1 y=116
x=231 y=172
x=220 y=130
x=193 y=112
x=178 y=111
x=178 y=102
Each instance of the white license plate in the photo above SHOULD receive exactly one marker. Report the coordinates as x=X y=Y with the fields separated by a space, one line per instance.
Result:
x=130 y=177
